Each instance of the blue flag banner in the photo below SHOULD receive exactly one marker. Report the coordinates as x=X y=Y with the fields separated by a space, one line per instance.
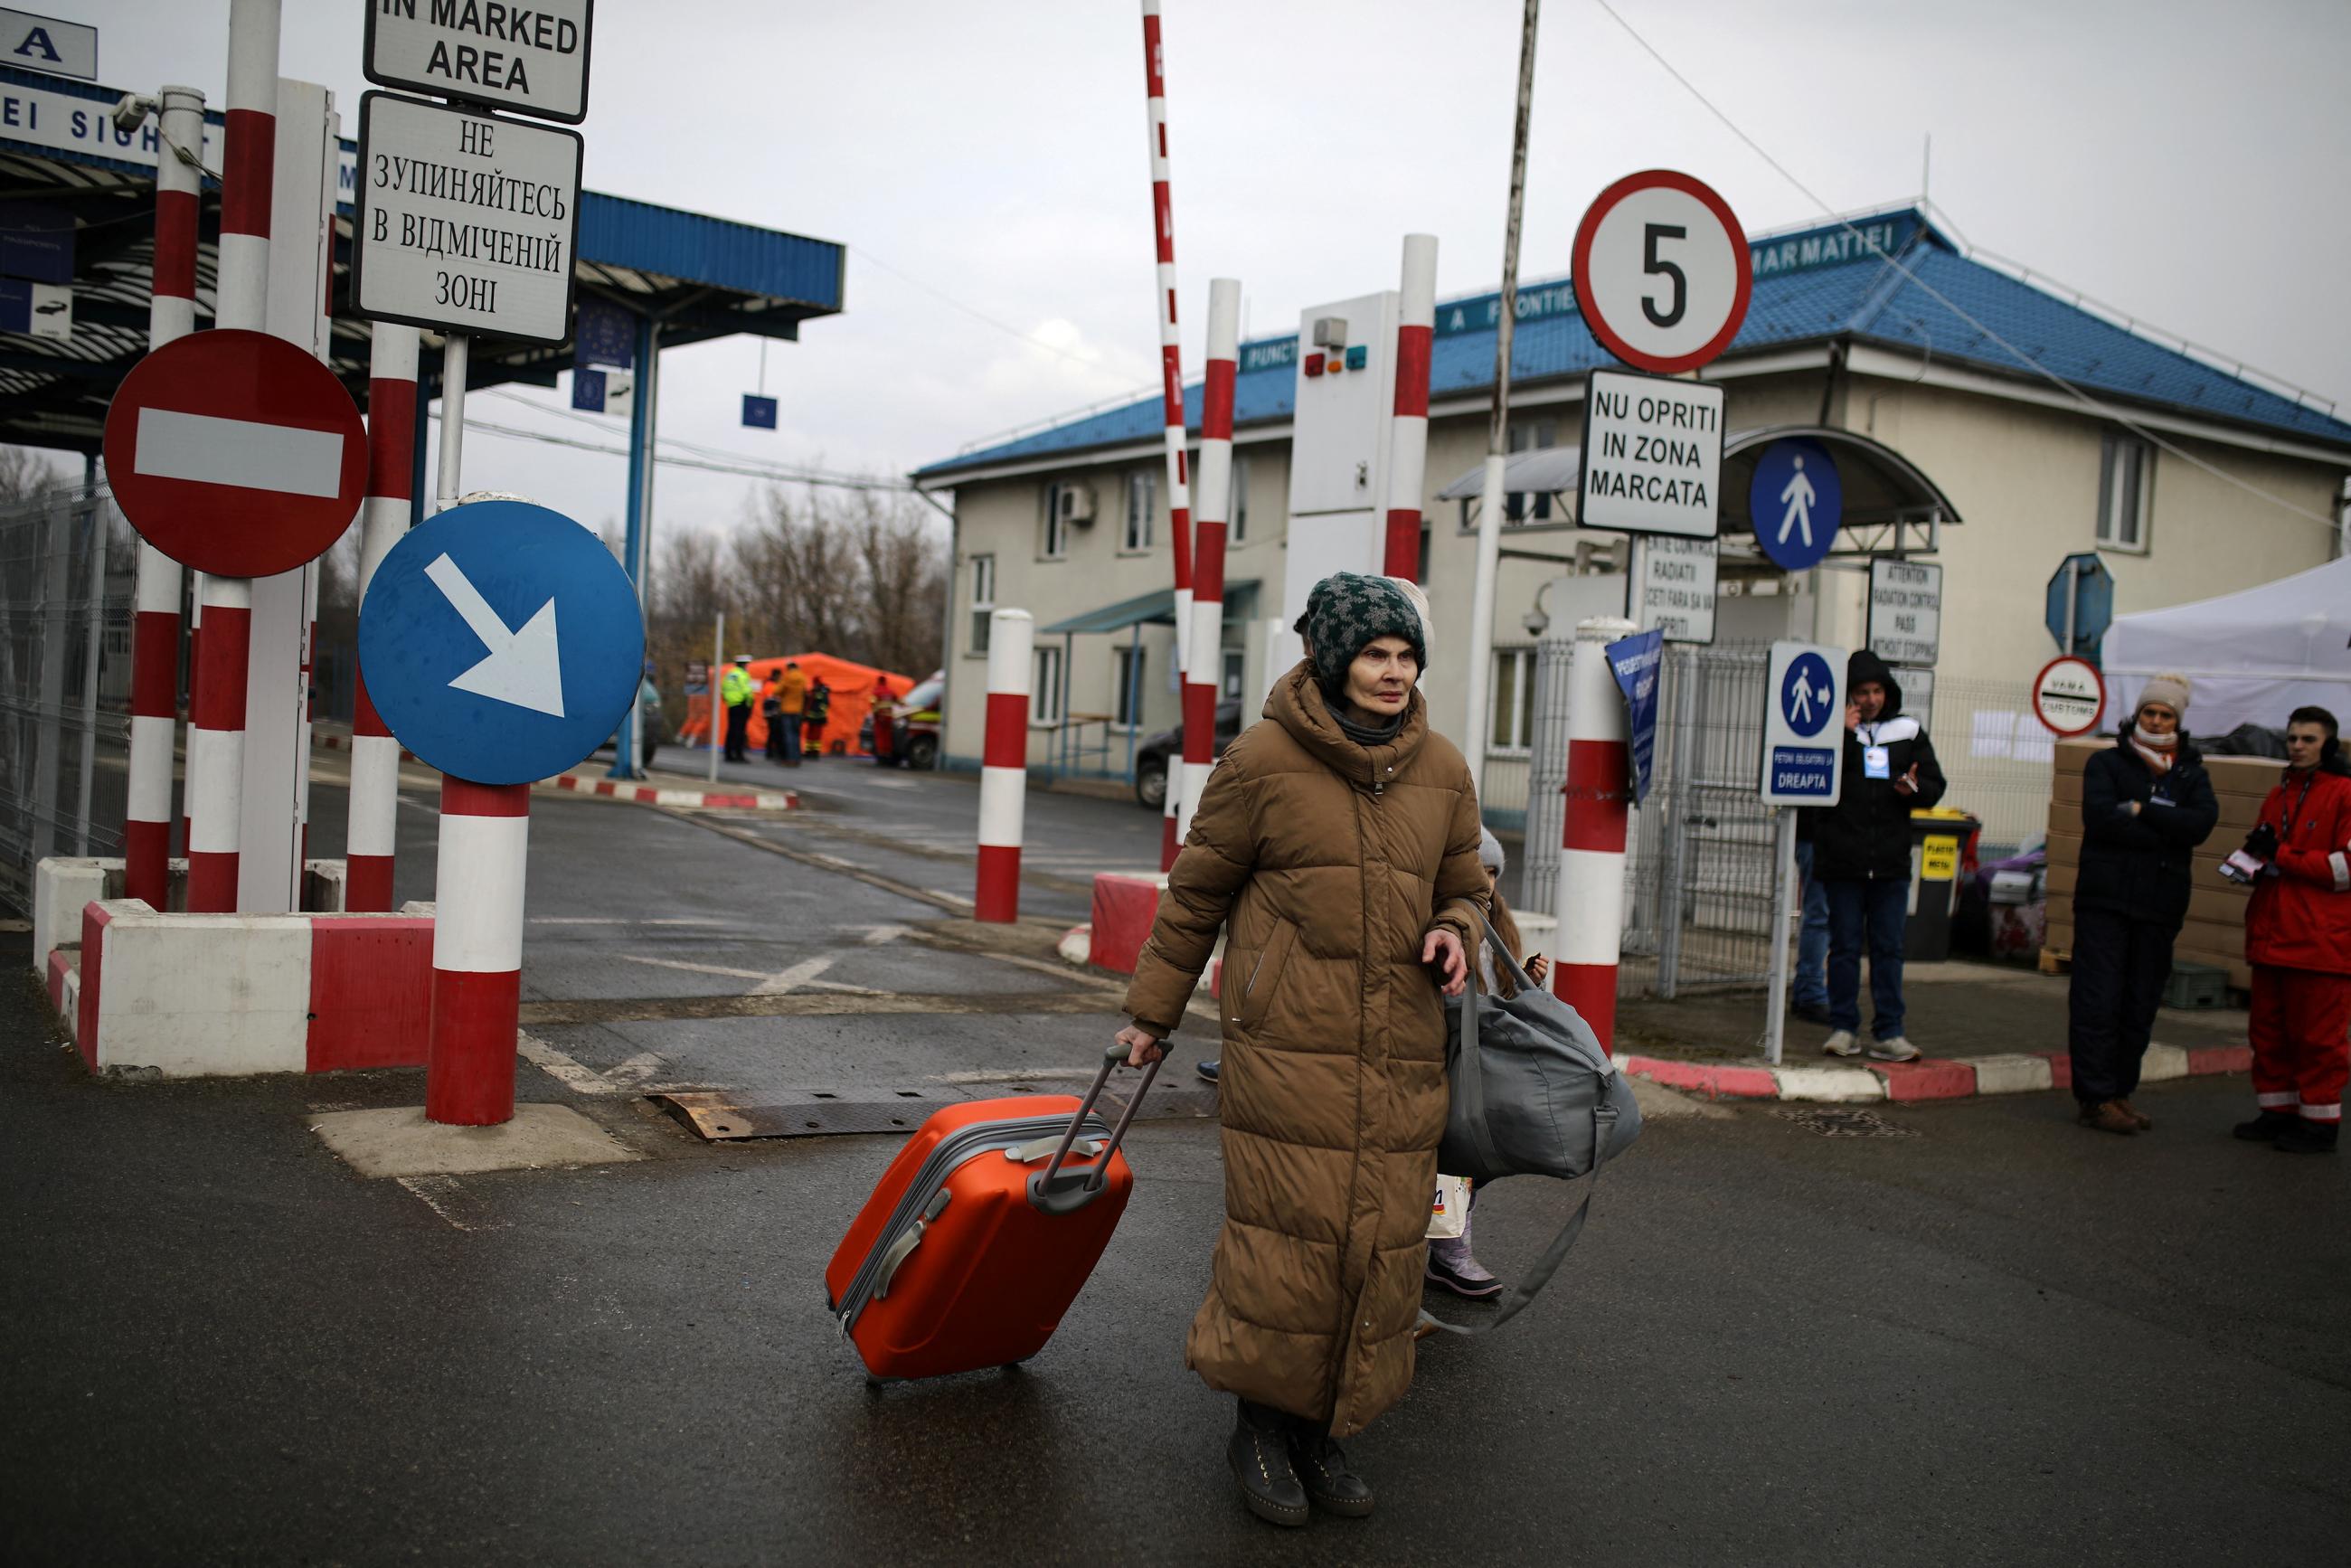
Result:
x=1633 y=661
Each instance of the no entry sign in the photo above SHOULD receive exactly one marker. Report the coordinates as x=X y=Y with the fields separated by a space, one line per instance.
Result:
x=235 y=453
x=1662 y=272
x=2068 y=696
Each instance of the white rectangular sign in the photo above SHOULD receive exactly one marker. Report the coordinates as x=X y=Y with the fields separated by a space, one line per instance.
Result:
x=45 y=44
x=1676 y=589
x=527 y=55
x=1906 y=611
x=1803 y=726
x=1652 y=455
x=465 y=223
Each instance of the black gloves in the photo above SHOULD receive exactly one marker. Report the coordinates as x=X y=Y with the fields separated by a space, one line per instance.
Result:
x=2261 y=843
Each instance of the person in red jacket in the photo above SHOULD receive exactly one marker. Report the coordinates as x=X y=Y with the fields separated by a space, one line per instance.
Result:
x=2298 y=940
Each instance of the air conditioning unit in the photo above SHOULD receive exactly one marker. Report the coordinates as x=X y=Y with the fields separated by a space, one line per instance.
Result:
x=1077 y=504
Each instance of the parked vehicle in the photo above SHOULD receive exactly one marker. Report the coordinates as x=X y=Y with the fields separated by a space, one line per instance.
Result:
x=918 y=724
x=1151 y=757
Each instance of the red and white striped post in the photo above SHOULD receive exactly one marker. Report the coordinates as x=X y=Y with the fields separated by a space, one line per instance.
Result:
x=1591 y=840
x=1409 y=439
x=1202 y=680
x=217 y=719
x=155 y=631
x=1004 y=767
x=469 y=1064
x=375 y=754
x=1171 y=374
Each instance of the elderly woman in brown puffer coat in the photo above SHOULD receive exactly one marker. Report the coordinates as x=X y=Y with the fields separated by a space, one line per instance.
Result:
x=1338 y=843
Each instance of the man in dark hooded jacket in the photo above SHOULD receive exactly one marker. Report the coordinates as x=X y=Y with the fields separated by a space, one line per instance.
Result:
x=1861 y=855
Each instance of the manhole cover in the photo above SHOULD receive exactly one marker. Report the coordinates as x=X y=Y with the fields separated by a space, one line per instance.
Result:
x=1836 y=1121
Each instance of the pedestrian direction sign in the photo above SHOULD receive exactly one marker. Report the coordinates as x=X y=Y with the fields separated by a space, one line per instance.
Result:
x=1795 y=501
x=501 y=642
x=235 y=453
x=1803 y=726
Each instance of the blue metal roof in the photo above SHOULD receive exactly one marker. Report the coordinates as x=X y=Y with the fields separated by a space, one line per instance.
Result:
x=1810 y=286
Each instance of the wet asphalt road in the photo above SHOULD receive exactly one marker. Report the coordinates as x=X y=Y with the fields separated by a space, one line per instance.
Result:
x=1998 y=1339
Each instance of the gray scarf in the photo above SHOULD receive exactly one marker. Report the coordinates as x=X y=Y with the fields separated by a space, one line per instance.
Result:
x=1366 y=735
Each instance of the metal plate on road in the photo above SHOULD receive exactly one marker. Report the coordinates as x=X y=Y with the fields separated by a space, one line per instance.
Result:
x=530 y=56
x=465 y=223
x=1662 y=272
x=1838 y=1122
x=235 y=453
x=501 y=642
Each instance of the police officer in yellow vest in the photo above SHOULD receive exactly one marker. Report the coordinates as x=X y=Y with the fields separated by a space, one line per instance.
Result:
x=737 y=691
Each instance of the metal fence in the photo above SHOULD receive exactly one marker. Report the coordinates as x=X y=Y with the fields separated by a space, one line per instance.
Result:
x=68 y=566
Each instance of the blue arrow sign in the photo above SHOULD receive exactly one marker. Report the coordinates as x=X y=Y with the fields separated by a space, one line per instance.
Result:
x=501 y=642
x=1795 y=501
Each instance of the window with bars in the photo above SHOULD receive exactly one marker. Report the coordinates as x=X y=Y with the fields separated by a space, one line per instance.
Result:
x=1053 y=538
x=1045 y=700
x=1236 y=532
x=1533 y=436
x=983 y=601
x=1128 y=699
x=1514 y=702
x=2124 y=467
x=1142 y=496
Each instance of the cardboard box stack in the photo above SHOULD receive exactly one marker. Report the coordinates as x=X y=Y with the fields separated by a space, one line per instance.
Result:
x=2215 y=931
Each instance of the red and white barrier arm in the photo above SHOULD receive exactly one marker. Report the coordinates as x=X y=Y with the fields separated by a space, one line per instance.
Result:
x=216 y=722
x=469 y=1070
x=1409 y=439
x=1171 y=377
x=1591 y=840
x=155 y=631
x=1004 y=767
x=375 y=754
x=1203 y=680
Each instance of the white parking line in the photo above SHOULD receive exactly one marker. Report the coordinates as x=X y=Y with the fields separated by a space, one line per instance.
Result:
x=563 y=1068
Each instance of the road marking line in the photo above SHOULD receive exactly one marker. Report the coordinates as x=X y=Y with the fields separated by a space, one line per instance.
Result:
x=562 y=1068
x=205 y=450
x=950 y=897
x=617 y=920
x=637 y=1069
x=877 y=935
x=696 y=969
x=426 y=1186
x=798 y=974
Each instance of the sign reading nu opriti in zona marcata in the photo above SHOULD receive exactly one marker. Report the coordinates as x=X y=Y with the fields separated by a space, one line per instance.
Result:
x=1652 y=455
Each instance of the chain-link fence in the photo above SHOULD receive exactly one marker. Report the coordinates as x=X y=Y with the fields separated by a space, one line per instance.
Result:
x=68 y=566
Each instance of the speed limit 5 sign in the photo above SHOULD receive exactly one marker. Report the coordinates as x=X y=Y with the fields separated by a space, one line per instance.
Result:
x=1662 y=272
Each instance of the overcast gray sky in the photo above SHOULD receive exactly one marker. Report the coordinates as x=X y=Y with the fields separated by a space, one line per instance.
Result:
x=2179 y=161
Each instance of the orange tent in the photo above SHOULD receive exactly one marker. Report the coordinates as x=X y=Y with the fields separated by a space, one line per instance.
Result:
x=852 y=699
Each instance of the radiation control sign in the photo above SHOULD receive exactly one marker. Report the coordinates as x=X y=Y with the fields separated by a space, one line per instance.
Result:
x=465 y=223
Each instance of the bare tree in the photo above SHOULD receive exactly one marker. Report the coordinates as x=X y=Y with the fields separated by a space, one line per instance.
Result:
x=25 y=473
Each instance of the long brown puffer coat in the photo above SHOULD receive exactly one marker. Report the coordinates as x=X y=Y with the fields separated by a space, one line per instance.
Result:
x=1332 y=863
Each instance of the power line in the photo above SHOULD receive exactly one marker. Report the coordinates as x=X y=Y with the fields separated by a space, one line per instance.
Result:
x=748 y=467
x=2103 y=409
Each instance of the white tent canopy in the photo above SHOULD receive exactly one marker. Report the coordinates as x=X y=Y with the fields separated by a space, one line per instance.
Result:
x=2249 y=657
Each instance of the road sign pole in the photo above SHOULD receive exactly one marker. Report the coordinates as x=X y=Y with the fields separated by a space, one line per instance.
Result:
x=637 y=548
x=453 y=355
x=1004 y=767
x=718 y=673
x=2073 y=597
x=375 y=754
x=469 y=1066
x=1592 y=834
x=1783 y=913
x=1203 y=680
x=1409 y=436
x=155 y=635
x=215 y=787
x=1171 y=387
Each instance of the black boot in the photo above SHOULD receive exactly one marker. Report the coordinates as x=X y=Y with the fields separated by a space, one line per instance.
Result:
x=2266 y=1126
x=2308 y=1138
x=1259 y=1456
x=1322 y=1466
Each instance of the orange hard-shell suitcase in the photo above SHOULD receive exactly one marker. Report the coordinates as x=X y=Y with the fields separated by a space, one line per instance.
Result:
x=978 y=1236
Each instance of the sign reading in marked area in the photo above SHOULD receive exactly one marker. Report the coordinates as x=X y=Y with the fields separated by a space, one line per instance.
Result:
x=527 y=55
x=235 y=453
x=501 y=642
x=1906 y=611
x=1676 y=589
x=465 y=223
x=1795 y=500
x=1803 y=726
x=1652 y=455
x=2068 y=696
x=1662 y=271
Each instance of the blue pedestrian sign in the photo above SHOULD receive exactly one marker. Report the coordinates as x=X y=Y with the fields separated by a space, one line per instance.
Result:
x=501 y=642
x=1795 y=501
x=1803 y=726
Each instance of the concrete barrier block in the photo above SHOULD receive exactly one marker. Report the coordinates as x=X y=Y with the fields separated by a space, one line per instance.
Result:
x=2017 y=1073
x=326 y=886
x=62 y=888
x=1124 y=907
x=371 y=991
x=2162 y=1062
x=196 y=995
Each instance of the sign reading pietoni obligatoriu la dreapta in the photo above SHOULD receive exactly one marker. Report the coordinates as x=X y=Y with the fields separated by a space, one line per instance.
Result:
x=465 y=223
x=527 y=55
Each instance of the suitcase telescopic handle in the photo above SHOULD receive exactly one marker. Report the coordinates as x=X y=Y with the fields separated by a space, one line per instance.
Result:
x=1057 y=1191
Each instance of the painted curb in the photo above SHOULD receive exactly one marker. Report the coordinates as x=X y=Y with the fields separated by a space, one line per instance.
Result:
x=705 y=800
x=1910 y=1083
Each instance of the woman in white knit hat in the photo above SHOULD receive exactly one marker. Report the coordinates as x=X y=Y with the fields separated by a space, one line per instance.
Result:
x=2147 y=803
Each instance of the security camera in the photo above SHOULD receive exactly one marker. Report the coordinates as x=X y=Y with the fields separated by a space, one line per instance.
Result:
x=131 y=112
x=1537 y=624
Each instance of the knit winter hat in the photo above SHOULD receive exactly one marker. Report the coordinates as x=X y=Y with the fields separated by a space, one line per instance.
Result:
x=1348 y=610
x=1490 y=851
x=2171 y=691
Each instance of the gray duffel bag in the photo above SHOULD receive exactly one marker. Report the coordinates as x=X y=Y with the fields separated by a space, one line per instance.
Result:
x=1532 y=1094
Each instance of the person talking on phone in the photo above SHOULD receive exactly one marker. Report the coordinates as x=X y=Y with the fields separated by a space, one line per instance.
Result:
x=1861 y=856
